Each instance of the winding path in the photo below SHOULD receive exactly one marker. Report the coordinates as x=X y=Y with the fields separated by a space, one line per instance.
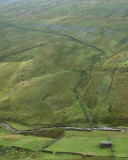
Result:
x=2 y=124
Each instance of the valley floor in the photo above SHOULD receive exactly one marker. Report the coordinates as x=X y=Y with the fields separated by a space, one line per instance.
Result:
x=74 y=144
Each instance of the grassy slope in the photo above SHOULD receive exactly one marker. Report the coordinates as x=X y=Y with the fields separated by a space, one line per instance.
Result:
x=38 y=81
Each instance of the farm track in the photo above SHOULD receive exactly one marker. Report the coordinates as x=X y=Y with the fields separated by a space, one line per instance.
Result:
x=76 y=90
x=2 y=124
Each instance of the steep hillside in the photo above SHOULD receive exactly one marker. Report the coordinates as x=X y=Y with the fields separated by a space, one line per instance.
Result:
x=39 y=70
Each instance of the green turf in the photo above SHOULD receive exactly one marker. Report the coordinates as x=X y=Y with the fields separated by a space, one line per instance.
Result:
x=89 y=143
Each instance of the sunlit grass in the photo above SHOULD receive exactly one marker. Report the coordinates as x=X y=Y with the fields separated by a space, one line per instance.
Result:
x=89 y=143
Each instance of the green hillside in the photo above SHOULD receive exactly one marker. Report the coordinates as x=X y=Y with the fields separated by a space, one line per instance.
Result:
x=39 y=70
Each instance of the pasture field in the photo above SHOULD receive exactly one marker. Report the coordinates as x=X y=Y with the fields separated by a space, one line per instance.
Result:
x=29 y=142
x=89 y=143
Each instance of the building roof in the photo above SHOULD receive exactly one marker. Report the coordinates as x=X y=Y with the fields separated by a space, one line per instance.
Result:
x=106 y=142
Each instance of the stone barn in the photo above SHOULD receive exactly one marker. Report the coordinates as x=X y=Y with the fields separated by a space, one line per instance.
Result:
x=106 y=144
